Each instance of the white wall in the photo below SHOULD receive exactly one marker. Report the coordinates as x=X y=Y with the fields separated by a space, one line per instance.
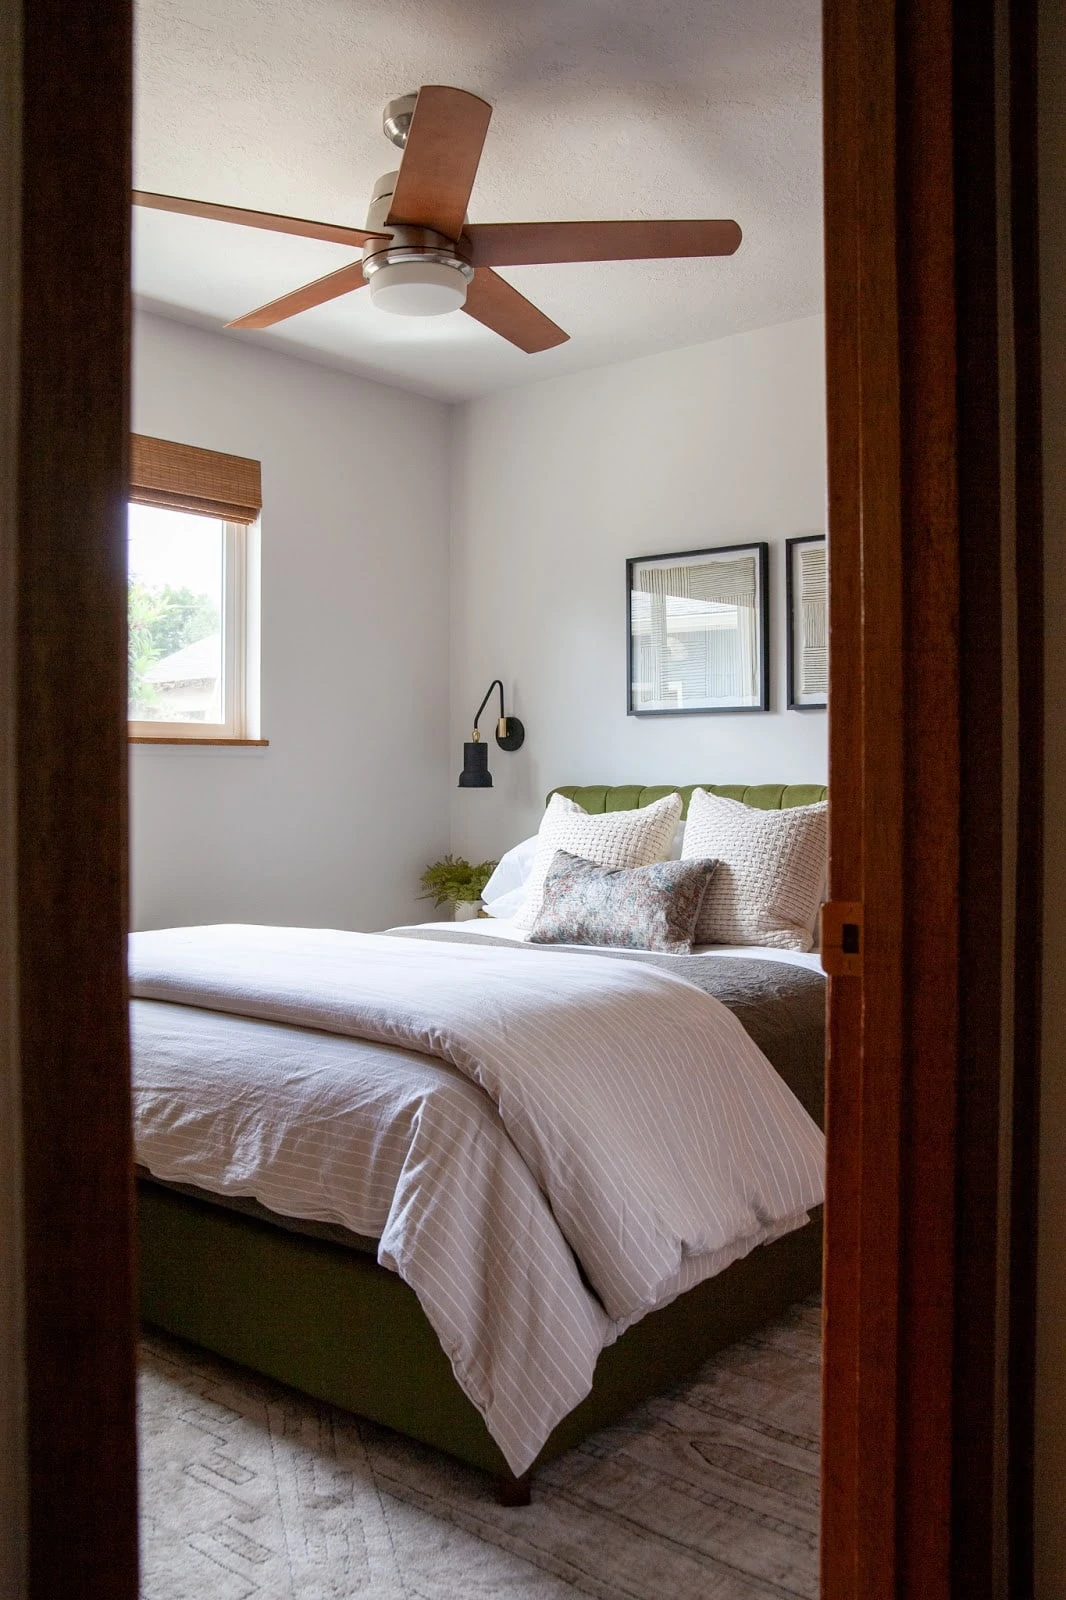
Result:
x=553 y=487
x=1051 y=1307
x=334 y=821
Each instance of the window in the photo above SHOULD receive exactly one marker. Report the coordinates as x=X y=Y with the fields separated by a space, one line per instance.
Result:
x=193 y=594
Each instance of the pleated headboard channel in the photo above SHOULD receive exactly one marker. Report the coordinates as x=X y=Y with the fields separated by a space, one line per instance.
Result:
x=628 y=796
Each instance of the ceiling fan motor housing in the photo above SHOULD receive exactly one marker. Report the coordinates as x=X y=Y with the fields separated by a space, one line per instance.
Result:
x=416 y=272
x=396 y=118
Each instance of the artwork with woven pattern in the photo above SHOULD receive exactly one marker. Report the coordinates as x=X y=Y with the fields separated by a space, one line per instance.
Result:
x=771 y=872
x=814 y=617
x=611 y=839
x=632 y=908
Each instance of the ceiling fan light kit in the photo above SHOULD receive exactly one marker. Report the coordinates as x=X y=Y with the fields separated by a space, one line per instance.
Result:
x=414 y=272
x=420 y=255
x=419 y=288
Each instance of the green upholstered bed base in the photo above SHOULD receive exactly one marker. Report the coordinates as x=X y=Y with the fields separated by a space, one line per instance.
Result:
x=332 y=1323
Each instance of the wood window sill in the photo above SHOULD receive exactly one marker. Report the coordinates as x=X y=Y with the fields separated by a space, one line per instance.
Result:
x=138 y=738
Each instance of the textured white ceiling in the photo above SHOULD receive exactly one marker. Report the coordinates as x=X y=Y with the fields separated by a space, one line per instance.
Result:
x=602 y=108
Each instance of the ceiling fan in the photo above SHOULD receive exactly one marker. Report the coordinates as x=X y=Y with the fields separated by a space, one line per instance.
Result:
x=421 y=257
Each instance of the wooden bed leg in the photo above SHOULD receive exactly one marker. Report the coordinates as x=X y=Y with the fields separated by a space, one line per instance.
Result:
x=514 y=1491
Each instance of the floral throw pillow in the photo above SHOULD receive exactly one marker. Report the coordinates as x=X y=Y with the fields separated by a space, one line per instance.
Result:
x=609 y=838
x=654 y=907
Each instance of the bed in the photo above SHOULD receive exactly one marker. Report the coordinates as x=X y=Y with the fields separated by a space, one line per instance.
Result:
x=307 y=1302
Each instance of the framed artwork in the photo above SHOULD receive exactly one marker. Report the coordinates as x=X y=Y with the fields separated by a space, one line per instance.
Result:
x=807 y=603
x=698 y=631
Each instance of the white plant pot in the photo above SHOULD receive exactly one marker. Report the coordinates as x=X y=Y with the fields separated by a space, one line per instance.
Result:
x=466 y=910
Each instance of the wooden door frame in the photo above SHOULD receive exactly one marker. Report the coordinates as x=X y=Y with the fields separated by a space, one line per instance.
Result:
x=935 y=752
x=67 y=718
x=916 y=519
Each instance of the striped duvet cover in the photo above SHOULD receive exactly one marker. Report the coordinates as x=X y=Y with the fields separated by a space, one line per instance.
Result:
x=546 y=1149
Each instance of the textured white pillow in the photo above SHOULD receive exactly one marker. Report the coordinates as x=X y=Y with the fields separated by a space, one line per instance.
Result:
x=609 y=838
x=771 y=872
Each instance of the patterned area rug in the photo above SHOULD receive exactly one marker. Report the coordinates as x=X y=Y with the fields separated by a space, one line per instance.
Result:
x=252 y=1492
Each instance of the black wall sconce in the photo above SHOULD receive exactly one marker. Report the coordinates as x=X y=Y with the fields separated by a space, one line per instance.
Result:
x=510 y=735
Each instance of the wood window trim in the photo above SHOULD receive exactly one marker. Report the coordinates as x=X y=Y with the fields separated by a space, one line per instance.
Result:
x=147 y=738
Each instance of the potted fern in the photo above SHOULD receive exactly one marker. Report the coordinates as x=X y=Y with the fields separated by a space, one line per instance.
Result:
x=454 y=882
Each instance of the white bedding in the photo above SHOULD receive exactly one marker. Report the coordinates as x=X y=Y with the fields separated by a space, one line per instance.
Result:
x=504 y=928
x=608 y=1111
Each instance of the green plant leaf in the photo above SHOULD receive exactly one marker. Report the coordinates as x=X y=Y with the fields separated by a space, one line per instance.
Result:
x=452 y=878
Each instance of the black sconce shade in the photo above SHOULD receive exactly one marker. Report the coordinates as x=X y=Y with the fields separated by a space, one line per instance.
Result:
x=475 y=773
x=510 y=735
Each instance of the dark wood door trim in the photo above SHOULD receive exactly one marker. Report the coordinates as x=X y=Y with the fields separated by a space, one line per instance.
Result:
x=1028 y=491
x=894 y=752
x=913 y=1503
x=841 y=1297
x=71 y=755
x=12 y=1420
x=985 y=524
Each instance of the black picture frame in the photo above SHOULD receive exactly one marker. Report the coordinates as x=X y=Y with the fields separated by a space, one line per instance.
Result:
x=798 y=698
x=759 y=550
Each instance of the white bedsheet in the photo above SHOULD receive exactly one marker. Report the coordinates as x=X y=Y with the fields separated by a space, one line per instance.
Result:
x=626 y=1118
x=504 y=928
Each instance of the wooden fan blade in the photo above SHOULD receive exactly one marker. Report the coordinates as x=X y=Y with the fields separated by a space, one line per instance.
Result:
x=493 y=302
x=525 y=244
x=440 y=160
x=333 y=285
x=332 y=232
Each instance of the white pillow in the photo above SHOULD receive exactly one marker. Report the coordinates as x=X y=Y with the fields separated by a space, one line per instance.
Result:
x=507 y=905
x=609 y=838
x=515 y=865
x=512 y=870
x=769 y=883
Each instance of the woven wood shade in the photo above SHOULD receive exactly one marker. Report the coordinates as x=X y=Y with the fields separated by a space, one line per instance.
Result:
x=182 y=477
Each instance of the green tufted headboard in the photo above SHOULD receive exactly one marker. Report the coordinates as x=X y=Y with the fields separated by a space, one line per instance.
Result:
x=628 y=796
